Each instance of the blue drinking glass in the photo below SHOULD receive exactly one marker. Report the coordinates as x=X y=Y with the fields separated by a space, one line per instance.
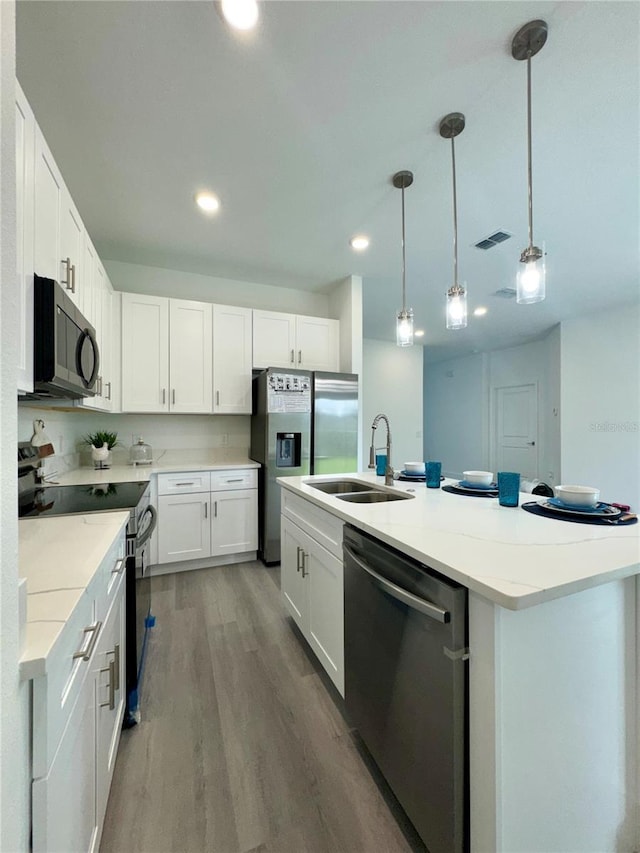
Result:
x=508 y=488
x=381 y=464
x=433 y=470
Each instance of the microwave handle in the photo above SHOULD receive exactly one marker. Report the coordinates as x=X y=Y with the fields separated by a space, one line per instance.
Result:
x=88 y=333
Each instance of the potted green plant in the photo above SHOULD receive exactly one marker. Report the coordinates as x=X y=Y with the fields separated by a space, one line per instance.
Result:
x=101 y=442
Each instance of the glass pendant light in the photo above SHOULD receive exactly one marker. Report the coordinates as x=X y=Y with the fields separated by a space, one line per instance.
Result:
x=404 y=321
x=530 y=286
x=451 y=126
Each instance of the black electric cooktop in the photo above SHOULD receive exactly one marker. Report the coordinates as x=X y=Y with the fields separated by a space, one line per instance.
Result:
x=69 y=500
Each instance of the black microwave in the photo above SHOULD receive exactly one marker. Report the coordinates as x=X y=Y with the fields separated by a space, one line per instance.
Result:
x=66 y=359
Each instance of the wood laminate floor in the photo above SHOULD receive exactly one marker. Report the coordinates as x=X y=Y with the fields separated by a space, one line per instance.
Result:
x=241 y=747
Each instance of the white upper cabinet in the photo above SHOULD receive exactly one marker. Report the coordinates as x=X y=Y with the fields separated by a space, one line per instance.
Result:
x=274 y=339
x=59 y=233
x=25 y=141
x=166 y=355
x=145 y=353
x=190 y=356
x=48 y=203
x=290 y=340
x=232 y=349
x=317 y=343
x=71 y=250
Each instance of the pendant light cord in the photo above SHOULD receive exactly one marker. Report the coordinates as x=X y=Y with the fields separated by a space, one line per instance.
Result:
x=403 y=255
x=455 y=215
x=529 y=173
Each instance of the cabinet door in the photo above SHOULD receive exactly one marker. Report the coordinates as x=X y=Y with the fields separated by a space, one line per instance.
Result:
x=234 y=522
x=317 y=343
x=145 y=353
x=71 y=250
x=292 y=580
x=324 y=573
x=64 y=801
x=274 y=339
x=109 y=673
x=48 y=201
x=232 y=350
x=190 y=356
x=184 y=527
x=25 y=140
x=107 y=349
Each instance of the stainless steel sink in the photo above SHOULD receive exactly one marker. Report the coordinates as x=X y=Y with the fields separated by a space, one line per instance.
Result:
x=340 y=487
x=374 y=497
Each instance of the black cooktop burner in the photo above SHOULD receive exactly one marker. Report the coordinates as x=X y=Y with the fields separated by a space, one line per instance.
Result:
x=69 y=500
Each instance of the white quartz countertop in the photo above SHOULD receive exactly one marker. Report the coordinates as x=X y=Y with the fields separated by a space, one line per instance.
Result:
x=217 y=460
x=507 y=555
x=59 y=557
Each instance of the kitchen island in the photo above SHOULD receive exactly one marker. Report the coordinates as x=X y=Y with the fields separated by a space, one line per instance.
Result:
x=553 y=639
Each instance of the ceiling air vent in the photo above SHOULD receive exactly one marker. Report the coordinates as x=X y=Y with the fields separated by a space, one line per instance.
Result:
x=492 y=240
x=506 y=292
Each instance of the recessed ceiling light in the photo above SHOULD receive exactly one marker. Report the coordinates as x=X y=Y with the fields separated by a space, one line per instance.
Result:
x=419 y=333
x=207 y=202
x=480 y=311
x=359 y=243
x=241 y=14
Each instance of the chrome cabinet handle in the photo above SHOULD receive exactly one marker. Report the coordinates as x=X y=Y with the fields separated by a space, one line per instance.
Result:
x=173 y=396
x=206 y=509
x=73 y=278
x=67 y=264
x=299 y=356
x=237 y=480
x=109 y=394
x=531 y=443
x=217 y=398
x=413 y=601
x=215 y=509
x=111 y=704
x=118 y=566
x=94 y=630
x=116 y=666
x=299 y=551
x=185 y=484
x=292 y=357
x=304 y=563
x=164 y=396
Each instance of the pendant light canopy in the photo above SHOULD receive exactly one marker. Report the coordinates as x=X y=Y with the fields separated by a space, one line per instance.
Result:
x=526 y=43
x=404 y=320
x=451 y=126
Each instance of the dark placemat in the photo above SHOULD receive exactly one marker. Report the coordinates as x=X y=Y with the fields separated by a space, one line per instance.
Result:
x=421 y=479
x=467 y=494
x=535 y=509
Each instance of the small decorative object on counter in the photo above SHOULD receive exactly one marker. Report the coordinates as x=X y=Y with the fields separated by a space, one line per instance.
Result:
x=41 y=440
x=508 y=488
x=140 y=453
x=102 y=442
x=381 y=464
x=433 y=470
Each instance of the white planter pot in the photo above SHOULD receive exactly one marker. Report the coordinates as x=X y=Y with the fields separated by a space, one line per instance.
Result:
x=101 y=456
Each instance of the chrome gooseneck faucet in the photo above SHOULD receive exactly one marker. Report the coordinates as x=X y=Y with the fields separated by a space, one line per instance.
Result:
x=388 y=473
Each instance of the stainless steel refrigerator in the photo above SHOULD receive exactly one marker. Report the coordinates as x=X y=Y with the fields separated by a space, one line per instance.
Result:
x=303 y=422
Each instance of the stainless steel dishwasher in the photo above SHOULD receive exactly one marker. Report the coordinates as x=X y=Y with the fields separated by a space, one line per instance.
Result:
x=406 y=683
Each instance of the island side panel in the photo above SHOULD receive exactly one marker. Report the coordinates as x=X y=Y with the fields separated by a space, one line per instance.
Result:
x=560 y=754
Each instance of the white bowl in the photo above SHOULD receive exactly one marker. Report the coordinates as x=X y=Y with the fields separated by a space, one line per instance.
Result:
x=414 y=467
x=585 y=496
x=478 y=478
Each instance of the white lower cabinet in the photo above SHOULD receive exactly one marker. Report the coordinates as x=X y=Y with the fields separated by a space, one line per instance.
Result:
x=206 y=514
x=312 y=583
x=184 y=527
x=78 y=707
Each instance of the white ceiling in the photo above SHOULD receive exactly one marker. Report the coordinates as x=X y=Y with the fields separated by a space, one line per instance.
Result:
x=299 y=126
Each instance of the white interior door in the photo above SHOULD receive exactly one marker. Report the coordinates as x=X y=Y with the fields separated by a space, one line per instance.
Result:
x=516 y=442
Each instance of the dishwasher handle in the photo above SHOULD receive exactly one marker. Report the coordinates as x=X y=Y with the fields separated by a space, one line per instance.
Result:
x=413 y=601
